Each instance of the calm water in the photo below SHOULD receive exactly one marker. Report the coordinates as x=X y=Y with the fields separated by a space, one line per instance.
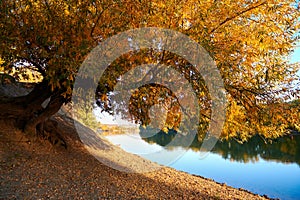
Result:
x=271 y=169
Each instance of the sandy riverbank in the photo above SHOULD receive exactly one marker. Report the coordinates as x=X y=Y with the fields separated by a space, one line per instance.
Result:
x=40 y=170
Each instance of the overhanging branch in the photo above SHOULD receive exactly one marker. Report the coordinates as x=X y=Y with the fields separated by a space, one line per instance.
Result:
x=236 y=15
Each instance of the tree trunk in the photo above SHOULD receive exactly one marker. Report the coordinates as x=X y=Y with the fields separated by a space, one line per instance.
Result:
x=30 y=116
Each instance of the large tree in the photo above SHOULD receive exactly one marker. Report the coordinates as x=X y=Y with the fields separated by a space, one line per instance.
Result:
x=249 y=40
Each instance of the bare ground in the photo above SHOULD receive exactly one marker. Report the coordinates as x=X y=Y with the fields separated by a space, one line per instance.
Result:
x=40 y=171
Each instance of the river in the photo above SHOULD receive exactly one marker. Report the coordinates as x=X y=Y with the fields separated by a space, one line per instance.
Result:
x=271 y=168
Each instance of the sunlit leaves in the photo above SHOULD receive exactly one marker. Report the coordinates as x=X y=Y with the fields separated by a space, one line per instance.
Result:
x=249 y=41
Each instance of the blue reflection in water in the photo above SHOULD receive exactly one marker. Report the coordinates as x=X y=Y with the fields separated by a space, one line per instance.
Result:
x=277 y=180
x=271 y=169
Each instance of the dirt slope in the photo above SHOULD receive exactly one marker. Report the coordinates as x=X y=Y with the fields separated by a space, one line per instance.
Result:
x=39 y=170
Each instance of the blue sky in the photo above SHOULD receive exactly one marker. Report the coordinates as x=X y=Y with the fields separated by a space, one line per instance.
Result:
x=295 y=57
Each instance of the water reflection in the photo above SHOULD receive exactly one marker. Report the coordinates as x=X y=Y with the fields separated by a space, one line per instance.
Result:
x=263 y=168
x=285 y=149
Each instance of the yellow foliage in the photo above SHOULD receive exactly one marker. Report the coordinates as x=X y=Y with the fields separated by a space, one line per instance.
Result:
x=1 y=61
x=249 y=41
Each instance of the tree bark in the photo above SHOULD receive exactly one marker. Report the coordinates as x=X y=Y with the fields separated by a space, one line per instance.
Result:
x=28 y=113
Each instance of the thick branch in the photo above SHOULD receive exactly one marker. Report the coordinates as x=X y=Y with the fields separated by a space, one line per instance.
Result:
x=54 y=105
x=24 y=105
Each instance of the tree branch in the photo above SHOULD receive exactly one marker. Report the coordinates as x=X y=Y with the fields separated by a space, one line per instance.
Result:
x=98 y=18
x=53 y=106
x=236 y=15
